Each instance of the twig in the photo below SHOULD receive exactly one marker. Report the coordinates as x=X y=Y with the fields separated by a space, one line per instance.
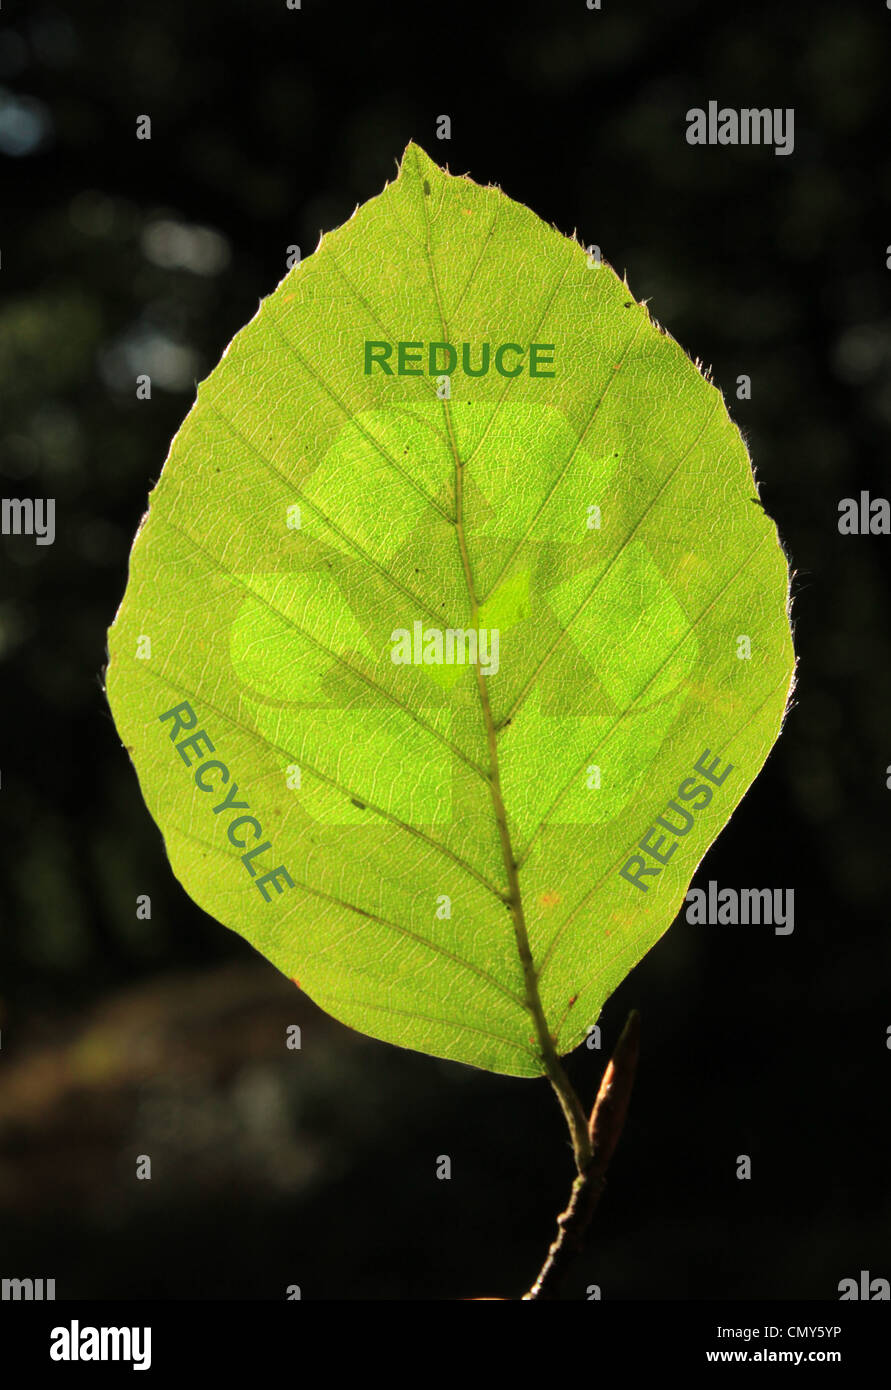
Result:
x=604 y=1129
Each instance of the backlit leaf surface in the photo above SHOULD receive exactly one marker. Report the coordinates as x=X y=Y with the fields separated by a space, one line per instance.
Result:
x=433 y=820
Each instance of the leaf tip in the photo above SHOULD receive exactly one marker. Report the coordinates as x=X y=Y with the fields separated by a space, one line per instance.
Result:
x=418 y=161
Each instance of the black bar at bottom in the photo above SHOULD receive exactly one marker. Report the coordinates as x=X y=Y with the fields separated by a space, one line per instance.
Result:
x=81 y=1339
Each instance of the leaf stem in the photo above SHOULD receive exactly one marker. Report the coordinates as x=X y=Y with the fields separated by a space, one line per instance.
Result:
x=572 y=1110
x=604 y=1130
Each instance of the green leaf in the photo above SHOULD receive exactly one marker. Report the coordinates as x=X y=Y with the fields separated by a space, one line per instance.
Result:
x=435 y=851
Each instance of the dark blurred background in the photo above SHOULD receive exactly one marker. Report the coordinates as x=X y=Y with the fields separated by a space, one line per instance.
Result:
x=123 y=1036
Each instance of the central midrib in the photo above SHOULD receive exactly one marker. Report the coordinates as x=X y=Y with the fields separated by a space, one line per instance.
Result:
x=551 y=1064
x=550 y=1060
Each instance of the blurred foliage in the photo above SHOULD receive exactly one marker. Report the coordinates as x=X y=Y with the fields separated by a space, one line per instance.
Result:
x=269 y=125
